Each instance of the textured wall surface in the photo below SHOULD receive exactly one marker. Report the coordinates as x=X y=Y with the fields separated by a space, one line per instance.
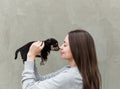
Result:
x=25 y=20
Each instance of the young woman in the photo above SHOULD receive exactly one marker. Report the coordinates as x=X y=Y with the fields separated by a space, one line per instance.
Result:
x=81 y=73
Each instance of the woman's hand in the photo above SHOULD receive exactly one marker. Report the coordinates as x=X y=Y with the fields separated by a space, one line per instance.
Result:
x=34 y=50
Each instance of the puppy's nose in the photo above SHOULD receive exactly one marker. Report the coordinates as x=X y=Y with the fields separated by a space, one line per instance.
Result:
x=57 y=48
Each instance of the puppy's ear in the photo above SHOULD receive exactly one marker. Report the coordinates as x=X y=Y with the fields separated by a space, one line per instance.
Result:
x=48 y=42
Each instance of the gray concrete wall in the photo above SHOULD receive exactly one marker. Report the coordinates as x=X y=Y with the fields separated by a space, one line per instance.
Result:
x=25 y=20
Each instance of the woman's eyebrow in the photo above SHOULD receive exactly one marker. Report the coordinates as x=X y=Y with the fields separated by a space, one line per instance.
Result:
x=65 y=42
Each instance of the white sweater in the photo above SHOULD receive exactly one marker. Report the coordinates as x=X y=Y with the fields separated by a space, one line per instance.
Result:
x=65 y=78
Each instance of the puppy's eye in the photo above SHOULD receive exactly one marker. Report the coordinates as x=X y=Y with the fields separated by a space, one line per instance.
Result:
x=56 y=44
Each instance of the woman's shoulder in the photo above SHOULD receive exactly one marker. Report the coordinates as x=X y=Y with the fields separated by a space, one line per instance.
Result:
x=74 y=72
x=70 y=77
x=71 y=73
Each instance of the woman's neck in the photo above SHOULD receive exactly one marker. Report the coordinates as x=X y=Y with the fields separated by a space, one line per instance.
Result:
x=72 y=63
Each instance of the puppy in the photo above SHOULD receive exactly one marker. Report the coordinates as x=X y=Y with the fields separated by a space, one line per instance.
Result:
x=50 y=44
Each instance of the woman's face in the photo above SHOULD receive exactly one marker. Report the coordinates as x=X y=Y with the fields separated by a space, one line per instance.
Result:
x=65 y=49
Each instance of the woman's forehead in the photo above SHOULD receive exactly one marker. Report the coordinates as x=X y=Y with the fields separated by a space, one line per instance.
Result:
x=66 y=39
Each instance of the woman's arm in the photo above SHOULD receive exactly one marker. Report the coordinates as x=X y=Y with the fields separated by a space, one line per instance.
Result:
x=34 y=50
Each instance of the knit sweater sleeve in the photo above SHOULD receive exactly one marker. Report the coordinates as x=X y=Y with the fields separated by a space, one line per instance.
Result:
x=63 y=80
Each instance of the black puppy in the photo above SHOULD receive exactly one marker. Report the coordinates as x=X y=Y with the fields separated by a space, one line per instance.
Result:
x=50 y=44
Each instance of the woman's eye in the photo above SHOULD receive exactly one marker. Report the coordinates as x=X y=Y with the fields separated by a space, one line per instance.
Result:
x=65 y=45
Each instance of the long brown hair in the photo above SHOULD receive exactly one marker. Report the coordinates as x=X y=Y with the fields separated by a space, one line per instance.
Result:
x=84 y=53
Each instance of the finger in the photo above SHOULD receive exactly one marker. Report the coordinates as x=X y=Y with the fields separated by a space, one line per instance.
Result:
x=42 y=44
x=38 y=43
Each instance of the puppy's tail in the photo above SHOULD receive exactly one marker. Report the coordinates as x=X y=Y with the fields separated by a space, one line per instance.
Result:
x=16 y=53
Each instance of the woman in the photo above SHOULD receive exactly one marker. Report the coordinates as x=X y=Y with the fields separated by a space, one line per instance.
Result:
x=81 y=73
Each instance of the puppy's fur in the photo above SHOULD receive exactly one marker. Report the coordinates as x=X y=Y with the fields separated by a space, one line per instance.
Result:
x=50 y=44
